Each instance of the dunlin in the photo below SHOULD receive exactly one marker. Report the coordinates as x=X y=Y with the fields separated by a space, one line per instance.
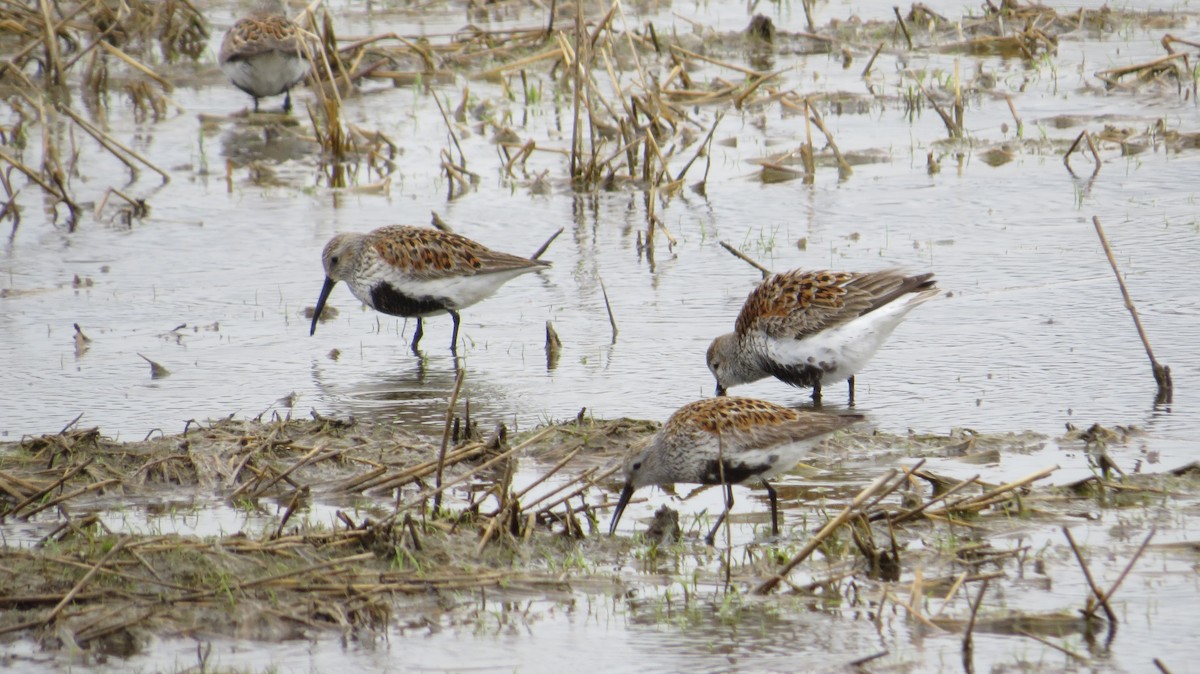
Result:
x=816 y=327
x=417 y=272
x=727 y=441
x=261 y=53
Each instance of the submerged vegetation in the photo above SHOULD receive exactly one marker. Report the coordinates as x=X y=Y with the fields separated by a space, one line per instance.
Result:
x=384 y=554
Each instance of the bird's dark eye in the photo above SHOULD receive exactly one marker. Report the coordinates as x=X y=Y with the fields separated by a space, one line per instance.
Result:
x=636 y=465
x=333 y=260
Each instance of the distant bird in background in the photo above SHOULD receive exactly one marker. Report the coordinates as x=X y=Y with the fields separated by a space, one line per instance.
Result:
x=810 y=328
x=417 y=272
x=262 y=55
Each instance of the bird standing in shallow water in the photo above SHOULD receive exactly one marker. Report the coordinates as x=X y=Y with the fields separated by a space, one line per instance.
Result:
x=262 y=55
x=814 y=328
x=726 y=441
x=417 y=272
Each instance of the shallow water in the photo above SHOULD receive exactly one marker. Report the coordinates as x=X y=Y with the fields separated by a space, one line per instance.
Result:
x=1032 y=334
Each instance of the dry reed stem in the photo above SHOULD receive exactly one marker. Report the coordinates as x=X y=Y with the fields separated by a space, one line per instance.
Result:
x=1111 y=75
x=1095 y=153
x=988 y=497
x=33 y=176
x=376 y=482
x=1046 y=642
x=844 y=169
x=877 y=486
x=113 y=145
x=968 y=638
x=462 y=159
x=592 y=481
x=746 y=258
x=545 y=476
x=752 y=86
x=952 y=128
x=578 y=484
x=701 y=147
x=441 y=463
x=612 y=321
x=313 y=456
x=87 y=577
x=874 y=55
x=913 y=612
x=1125 y=572
x=419 y=498
x=54 y=73
x=70 y=473
x=1087 y=574
x=555 y=52
x=903 y=25
x=958 y=583
x=1162 y=373
x=806 y=149
x=538 y=253
x=749 y=72
x=913 y=512
x=1020 y=130
x=137 y=65
x=274 y=578
x=70 y=495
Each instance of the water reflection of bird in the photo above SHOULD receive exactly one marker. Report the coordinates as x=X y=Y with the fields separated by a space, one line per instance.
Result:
x=262 y=55
x=815 y=328
x=727 y=440
x=417 y=272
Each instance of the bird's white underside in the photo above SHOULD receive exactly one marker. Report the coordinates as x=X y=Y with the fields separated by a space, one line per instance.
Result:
x=455 y=292
x=267 y=74
x=845 y=349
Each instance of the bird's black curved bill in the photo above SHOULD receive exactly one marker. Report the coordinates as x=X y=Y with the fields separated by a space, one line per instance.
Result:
x=626 y=494
x=325 y=290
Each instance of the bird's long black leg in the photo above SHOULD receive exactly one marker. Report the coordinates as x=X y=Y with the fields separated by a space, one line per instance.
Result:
x=417 y=336
x=850 y=382
x=816 y=394
x=774 y=507
x=712 y=535
x=454 y=336
x=287 y=100
x=256 y=103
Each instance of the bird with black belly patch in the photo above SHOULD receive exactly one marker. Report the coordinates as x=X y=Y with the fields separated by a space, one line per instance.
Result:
x=417 y=272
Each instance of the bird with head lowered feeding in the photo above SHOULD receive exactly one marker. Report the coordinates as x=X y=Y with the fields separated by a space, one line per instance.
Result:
x=415 y=272
x=810 y=328
x=727 y=441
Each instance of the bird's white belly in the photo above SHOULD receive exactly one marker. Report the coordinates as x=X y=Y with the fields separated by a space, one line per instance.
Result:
x=451 y=292
x=267 y=74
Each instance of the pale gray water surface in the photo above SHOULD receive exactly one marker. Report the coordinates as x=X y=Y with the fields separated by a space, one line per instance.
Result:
x=1032 y=334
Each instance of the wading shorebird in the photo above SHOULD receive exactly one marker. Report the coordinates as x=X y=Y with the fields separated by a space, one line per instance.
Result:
x=727 y=441
x=810 y=328
x=262 y=55
x=417 y=272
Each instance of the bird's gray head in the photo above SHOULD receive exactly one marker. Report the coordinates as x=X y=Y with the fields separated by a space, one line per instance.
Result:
x=641 y=468
x=728 y=365
x=341 y=254
x=339 y=258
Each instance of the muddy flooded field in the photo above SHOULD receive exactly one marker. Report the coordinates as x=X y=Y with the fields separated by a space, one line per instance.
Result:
x=189 y=481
